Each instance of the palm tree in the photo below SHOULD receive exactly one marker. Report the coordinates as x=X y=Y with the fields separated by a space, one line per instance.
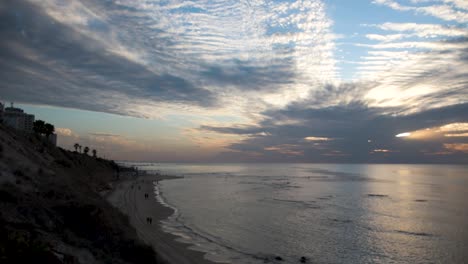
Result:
x=79 y=147
x=86 y=150
x=94 y=153
x=76 y=147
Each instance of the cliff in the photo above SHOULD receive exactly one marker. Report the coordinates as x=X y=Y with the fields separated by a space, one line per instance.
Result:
x=52 y=208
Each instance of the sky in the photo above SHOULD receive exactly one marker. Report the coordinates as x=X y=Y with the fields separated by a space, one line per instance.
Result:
x=376 y=81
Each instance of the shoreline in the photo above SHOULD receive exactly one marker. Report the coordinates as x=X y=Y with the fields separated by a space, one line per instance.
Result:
x=129 y=197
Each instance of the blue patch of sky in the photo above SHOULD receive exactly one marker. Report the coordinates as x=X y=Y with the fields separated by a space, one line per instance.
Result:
x=97 y=25
x=188 y=9
x=85 y=122
x=352 y=20
x=282 y=29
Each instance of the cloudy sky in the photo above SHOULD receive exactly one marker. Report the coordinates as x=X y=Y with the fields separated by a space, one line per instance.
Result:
x=244 y=80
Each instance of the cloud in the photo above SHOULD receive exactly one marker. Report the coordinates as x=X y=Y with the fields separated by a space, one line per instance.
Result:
x=51 y=63
x=63 y=131
x=414 y=80
x=425 y=30
x=459 y=147
x=361 y=133
x=104 y=135
x=310 y=138
x=451 y=130
x=448 y=11
x=385 y=38
x=414 y=65
x=260 y=76
x=415 y=30
x=117 y=56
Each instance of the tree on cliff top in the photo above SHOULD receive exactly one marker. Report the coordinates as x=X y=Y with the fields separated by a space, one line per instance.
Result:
x=48 y=129
x=39 y=126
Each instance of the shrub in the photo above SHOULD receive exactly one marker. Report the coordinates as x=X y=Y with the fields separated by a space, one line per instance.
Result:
x=63 y=163
x=24 y=246
x=18 y=173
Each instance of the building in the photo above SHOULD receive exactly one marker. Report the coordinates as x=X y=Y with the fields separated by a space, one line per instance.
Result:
x=1 y=112
x=53 y=139
x=18 y=119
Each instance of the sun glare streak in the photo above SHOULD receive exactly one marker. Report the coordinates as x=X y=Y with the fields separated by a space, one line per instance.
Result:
x=453 y=130
x=457 y=135
x=317 y=138
x=406 y=134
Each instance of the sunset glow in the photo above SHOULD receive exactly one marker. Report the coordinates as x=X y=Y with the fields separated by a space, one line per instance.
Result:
x=224 y=81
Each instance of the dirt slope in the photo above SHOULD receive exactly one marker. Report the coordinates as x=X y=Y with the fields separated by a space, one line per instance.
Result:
x=51 y=210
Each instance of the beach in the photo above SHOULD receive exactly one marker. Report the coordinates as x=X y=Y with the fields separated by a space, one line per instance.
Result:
x=129 y=197
x=323 y=213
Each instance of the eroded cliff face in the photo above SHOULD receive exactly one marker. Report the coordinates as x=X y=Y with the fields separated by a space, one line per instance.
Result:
x=52 y=208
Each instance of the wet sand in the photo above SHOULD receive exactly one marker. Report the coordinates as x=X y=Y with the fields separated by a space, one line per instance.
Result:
x=129 y=197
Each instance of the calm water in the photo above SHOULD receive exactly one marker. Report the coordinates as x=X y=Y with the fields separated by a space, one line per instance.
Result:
x=251 y=213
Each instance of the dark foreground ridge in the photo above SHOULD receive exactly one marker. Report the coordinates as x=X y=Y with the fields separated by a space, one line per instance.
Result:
x=52 y=208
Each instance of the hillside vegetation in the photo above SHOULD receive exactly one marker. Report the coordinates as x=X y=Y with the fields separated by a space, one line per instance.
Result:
x=52 y=208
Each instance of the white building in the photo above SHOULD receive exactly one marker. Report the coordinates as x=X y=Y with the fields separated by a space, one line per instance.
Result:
x=18 y=119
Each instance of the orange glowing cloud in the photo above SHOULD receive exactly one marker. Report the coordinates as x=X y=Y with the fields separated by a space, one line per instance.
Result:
x=317 y=138
x=449 y=130
x=287 y=149
x=460 y=147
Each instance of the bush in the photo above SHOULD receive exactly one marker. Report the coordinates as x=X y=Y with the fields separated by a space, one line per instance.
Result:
x=7 y=196
x=63 y=163
x=24 y=246
x=18 y=173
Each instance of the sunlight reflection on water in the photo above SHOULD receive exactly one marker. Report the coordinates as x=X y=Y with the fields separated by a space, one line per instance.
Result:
x=248 y=213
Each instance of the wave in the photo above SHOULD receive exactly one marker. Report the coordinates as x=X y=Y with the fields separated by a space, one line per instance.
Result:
x=216 y=250
x=414 y=233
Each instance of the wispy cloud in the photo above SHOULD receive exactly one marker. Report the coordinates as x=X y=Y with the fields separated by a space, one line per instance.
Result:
x=448 y=10
x=353 y=133
x=261 y=76
x=89 y=55
x=413 y=65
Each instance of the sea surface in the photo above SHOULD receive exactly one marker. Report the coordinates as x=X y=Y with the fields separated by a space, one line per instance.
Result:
x=327 y=213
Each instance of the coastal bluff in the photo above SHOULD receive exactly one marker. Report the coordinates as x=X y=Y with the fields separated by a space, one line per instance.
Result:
x=53 y=209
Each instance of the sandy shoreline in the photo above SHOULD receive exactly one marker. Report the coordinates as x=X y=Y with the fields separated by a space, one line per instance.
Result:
x=129 y=197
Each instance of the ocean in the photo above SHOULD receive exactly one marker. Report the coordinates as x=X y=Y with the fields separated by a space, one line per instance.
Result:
x=319 y=213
